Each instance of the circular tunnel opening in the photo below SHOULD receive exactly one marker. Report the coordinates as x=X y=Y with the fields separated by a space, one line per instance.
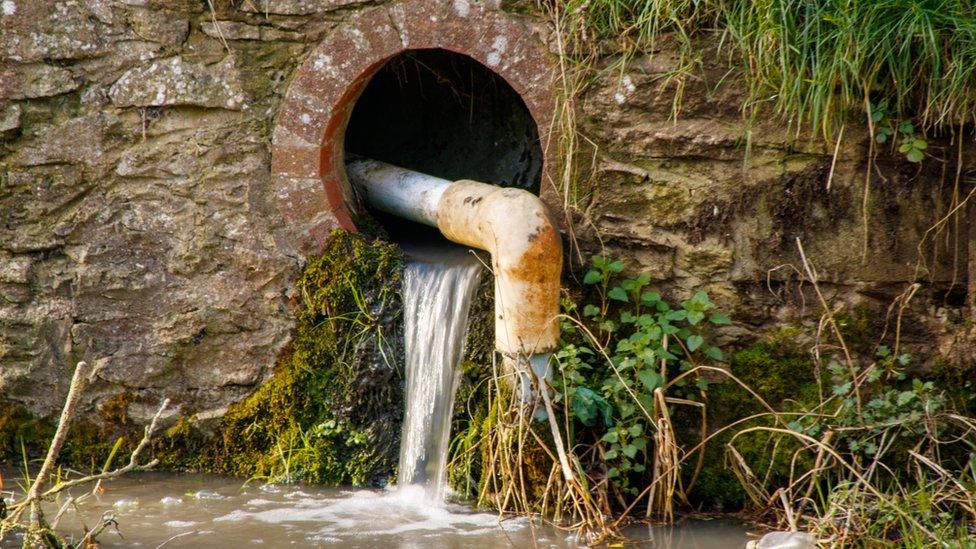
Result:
x=445 y=114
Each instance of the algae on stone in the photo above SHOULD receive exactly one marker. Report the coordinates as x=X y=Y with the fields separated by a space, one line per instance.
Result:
x=784 y=376
x=332 y=411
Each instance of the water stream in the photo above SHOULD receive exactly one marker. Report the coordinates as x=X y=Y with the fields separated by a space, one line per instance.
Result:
x=439 y=285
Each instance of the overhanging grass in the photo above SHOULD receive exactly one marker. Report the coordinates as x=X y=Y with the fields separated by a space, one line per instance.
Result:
x=816 y=61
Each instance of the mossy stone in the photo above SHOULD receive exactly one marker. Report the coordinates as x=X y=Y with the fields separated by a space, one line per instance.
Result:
x=784 y=376
x=332 y=411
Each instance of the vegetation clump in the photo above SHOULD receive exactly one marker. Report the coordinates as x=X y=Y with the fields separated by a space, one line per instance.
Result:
x=837 y=440
x=331 y=413
x=607 y=443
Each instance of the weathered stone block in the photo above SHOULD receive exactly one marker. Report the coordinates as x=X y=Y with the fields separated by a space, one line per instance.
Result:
x=9 y=121
x=175 y=81
x=231 y=30
x=14 y=269
x=35 y=80
x=163 y=27
x=236 y=30
x=296 y=7
x=82 y=140
x=49 y=29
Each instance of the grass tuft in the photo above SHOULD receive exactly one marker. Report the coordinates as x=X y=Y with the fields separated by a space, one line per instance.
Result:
x=815 y=61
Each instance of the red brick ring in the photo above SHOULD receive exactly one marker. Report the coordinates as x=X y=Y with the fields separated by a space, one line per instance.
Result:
x=307 y=168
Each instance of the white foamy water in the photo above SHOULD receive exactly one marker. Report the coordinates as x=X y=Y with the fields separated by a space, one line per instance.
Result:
x=373 y=514
x=439 y=285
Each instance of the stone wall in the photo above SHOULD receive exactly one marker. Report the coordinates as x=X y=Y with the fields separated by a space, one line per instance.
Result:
x=136 y=218
x=716 y=200
x=139 y=227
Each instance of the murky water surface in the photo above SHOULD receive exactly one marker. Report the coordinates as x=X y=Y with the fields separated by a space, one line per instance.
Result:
x=207 y=511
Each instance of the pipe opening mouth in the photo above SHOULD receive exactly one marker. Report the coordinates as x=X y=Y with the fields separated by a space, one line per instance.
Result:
x=444 y=114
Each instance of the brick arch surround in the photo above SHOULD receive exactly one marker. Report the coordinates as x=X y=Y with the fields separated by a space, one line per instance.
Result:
x=307 y=168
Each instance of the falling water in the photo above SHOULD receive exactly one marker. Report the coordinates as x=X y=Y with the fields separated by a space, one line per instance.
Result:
x=438 y=287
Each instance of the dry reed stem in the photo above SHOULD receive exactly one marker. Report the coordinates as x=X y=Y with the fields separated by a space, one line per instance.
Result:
x=36 y=529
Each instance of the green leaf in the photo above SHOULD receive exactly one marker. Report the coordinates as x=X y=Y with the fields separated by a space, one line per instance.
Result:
x=646 y=401
x=665 y=354
x=618 y=293
x=702 y=298
x=591 y=310
x=905 y=397
x=626 y=409
x=906 y=127
x=650 y=379
x=719 y=319
x=592 y=277
x=694 y=342
x=677 y=315
x=612 y=437
x=587 y=405
x=714 y=353
x=616 y=266
x=842 y=389
x=650 y=297
x=915 y=155
x=630 y=450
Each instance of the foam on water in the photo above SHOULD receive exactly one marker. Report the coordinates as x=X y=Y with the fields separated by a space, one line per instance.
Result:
x=368 y=513
x=315 y=516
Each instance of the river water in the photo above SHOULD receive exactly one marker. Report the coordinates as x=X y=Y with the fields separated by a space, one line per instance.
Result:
x=210 y=511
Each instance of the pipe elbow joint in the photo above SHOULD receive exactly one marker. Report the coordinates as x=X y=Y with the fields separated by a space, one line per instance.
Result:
x=526 y=249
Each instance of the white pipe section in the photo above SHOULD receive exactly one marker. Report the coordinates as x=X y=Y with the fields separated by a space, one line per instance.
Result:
x=512 y=224
x=398 y=191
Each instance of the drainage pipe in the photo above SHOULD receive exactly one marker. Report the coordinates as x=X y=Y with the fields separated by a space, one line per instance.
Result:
x=512 y=224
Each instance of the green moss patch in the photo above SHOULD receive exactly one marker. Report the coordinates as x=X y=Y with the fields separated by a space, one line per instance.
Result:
x=332 y=411
x=784 y=376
